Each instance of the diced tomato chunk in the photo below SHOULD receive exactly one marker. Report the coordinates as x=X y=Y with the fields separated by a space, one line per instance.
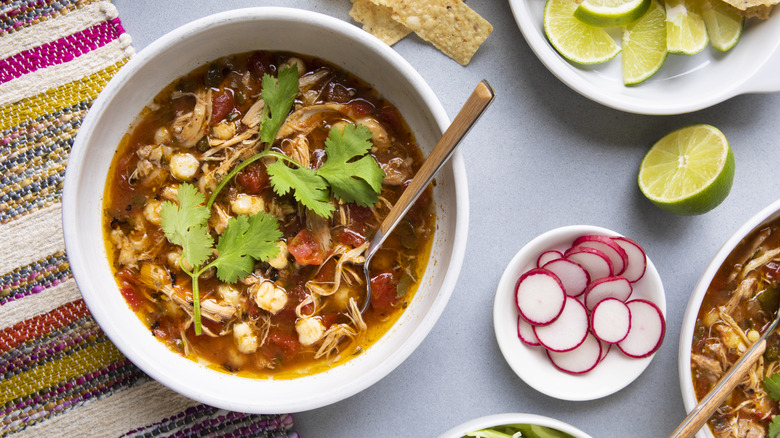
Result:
x=253 y=178
x=164 y=328
x=260 y=63
x=349 y=237
x=222 y=103
x=362 y=107
x=384 y=292
x=287 y=343
x=133 y=298
x=305 y=249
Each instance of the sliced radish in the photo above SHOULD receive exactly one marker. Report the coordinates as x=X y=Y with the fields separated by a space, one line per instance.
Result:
x=607 y=287
x=647 y=329
x=525 y=331
x=539 y=296
x=594 y=261
x=617 y=255
x=547 y=257
x=573 y=276
x=579 y=360
x=637 y=260
x=610 y=320
x=604 y=349
x=566 y=332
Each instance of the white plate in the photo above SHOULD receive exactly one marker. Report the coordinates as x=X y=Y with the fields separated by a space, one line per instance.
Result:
x=684 y=83
x=614 y=373
x=504 y=419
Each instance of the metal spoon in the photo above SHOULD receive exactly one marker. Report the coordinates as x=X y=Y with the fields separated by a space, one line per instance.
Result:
x=474 y=107
x=703 y=411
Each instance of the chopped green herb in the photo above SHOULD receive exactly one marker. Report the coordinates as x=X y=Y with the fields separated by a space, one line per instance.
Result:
x=279 y=96
x=246 y=239
x=774 y=428
x=772 y=386
x=310 y=189
x=352 y=179
x=185 y=224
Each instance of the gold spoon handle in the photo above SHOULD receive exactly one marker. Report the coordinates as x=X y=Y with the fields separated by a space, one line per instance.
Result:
x=473 y=108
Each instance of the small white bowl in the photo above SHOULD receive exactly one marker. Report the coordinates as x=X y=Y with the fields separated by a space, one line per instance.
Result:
x=763 y=217
x=531 y=364
x=684 y=83
x=134 y=87
x=505 y=419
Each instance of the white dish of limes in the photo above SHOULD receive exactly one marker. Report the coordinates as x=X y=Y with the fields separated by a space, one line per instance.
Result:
x=684 y=83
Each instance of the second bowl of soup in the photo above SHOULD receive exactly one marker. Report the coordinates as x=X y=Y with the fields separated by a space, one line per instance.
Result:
x=732 y=305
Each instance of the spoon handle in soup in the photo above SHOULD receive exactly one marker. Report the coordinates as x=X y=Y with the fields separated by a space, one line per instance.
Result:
x=703 y=411
x=474 y=107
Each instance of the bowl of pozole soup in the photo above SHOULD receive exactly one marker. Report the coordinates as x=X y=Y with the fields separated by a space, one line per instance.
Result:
x=221 y=194
x=732 y=305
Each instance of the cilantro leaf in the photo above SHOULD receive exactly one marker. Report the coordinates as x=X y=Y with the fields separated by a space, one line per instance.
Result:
x=185 y=224
x=774 y=428
x=772 y=386
x=310 y=189
x=279 y=96
x=246 y=239
x=358 y=181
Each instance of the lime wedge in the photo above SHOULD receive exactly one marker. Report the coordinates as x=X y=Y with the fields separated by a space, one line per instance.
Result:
x=644 y=45
x=724 y=26
x=573 y=39
x=611 y=13
x=686 y=32
x=689 y=171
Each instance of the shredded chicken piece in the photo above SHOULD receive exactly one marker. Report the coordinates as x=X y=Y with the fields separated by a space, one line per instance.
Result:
x=254 y=114
x=744 y=291
x=759 y=261
x=397 y=171
x=191 y=127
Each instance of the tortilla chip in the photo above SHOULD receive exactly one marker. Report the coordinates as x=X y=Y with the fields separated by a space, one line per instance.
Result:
x=450 y=25
x=378 y=21
x=752 y=8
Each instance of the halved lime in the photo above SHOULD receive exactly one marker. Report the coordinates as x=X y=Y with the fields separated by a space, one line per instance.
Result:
x=724 y=26
x=573 y=39
x=611 y=13
x=644 y=45
x=685 y=30
x=689 y=171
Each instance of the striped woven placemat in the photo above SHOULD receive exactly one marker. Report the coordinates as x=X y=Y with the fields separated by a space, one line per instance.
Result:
x=59 y=374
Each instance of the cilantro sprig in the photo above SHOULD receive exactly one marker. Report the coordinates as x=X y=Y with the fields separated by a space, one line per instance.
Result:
x=772 y=386
x=246 y=239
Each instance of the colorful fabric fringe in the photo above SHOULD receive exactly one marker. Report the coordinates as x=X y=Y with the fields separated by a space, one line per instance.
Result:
x=59 y=374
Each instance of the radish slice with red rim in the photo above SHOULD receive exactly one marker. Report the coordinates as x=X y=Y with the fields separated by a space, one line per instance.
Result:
x=579 y=360
x=604 y=349
x=594 y=261
x=568 y=331
x=647 y=329
x=547 y=257
x=525 y=331
x=573 y=276
x=617 y=255
x=539 y=296
x=637 y=259
x=608 y=287
x=610 y=320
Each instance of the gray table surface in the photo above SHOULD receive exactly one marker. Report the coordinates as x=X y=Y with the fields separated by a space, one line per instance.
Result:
x=542 y=157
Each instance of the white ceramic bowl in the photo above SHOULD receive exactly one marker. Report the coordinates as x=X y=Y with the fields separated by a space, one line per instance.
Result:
x=766 y=215
x=504 y=419
x=531 y=364
x=179 y=52
x=684 y=83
